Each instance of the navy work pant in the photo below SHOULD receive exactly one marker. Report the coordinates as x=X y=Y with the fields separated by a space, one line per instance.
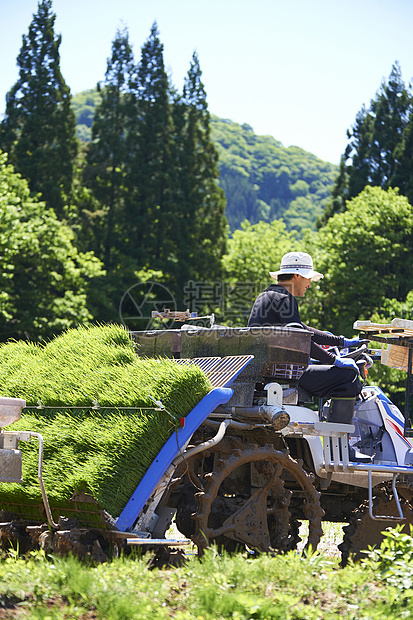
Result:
x=331 y=382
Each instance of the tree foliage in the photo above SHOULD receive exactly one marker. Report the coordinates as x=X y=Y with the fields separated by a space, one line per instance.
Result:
x=200 y=203
x=149 y=210
x=38 y=131
x=44 y=278
x=150 y=185
x=84 y=105
x=263 y=180
x=256 y=249
x=106 y=165
x=154 y=203
x=364 y=254
x=380 y=146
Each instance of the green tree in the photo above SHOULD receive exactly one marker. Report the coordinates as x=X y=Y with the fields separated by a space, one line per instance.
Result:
x=84 y=105
x=361 y=138
x=199 y=202
x=253 y=251
x=39 y=128
x=355 y=170
x=403 y=175
x=149 y=218
x=378 y=150
x=44 y=280
x=107 y=155
x=257 y=249
x=339 y=192
x=259 y=176
x=242 y=197
x=364 y=254
x=262 y=178
x=390 y=110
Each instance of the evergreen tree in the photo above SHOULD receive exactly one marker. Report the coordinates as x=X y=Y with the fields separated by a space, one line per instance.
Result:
x=355 y=166
x=202 y=204
x=339 y=193
x=39 y=128
x=403 y=175
x=390 y=111
x=361 y=138
x=107 y=156
x=377 y=145
x=148 y=224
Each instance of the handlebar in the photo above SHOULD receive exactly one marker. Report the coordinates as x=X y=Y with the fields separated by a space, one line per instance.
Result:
x=362 y=359
x=358 y=352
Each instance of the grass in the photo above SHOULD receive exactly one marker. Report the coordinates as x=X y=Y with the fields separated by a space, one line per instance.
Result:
x=290 y=587
x=100 y=426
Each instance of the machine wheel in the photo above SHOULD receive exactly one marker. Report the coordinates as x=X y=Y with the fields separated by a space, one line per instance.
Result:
x=253 y=498
x=363 y=532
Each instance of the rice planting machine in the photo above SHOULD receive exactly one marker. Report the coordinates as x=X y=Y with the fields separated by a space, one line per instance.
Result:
x=233 y=476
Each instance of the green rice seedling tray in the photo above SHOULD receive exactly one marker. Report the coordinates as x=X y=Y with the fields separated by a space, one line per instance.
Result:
x=92 y=399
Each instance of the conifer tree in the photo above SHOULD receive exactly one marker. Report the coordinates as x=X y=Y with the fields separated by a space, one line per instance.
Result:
x=377 y=145
x=148 y=225
x=403 y=174
x=107 y=156
x=339 y=193
x=39 y=128
x=360 y=169
x=390 y=110
x=202 y=202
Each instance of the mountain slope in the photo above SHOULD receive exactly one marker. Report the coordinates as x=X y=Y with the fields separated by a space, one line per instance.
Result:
x=262 y=179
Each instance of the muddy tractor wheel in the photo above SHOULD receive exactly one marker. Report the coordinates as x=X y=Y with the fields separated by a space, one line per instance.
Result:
x=253 y=499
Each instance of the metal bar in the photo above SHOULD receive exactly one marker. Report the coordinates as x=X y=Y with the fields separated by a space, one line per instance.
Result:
x=162 y=542
x=40 y=477
x=345 y=455
x=381 y=469
x=401 y=341
x=240 y=425
x=327 y=454
x=335 y=443
x=336 y=453
x=407 y=422
x=93 y=407
x=396 y=498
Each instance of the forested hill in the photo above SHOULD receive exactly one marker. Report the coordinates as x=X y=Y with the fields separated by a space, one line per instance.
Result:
x=262 y=179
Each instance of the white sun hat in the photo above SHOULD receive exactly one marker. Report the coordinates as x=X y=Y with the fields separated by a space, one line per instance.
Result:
x=297 y=262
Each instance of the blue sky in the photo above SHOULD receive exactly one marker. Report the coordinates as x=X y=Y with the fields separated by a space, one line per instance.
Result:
x=298 y=70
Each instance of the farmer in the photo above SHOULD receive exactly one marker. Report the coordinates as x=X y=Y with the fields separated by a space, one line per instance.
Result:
x=334 y=377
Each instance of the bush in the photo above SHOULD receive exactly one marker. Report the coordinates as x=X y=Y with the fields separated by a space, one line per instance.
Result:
x=394 y=559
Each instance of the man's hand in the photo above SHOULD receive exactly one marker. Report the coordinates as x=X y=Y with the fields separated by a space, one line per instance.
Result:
x=345 y=362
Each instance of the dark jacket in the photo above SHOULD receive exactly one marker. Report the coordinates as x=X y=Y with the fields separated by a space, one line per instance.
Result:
x=276 y=306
